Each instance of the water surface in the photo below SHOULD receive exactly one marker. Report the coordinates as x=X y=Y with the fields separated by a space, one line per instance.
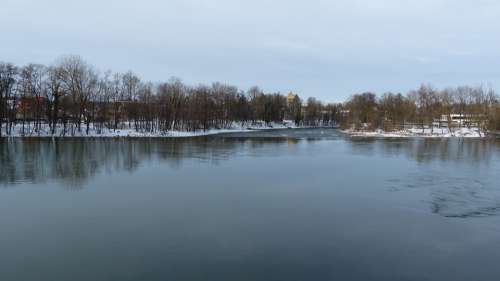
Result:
x=276 y=205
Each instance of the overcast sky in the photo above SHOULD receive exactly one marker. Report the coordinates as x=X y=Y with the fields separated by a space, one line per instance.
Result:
x=324 y=48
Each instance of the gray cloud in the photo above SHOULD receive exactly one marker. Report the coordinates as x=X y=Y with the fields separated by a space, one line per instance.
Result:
x=328 y=49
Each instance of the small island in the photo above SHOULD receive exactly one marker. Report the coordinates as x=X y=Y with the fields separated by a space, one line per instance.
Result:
x=71 y=98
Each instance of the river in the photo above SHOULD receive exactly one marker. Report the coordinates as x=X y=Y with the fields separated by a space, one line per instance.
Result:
x=309 y=204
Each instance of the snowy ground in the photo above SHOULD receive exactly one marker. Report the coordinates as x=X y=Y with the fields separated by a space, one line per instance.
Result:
x=418 y=132
x=131 y=132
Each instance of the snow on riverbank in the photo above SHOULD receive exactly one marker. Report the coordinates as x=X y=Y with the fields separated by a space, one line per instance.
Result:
x=418 y=132
x=17 y=131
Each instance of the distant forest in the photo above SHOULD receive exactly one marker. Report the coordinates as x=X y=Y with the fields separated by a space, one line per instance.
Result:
x=427 y=107
x=73 y=96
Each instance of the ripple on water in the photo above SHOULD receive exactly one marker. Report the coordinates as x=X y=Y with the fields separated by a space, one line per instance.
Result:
x=453 y=197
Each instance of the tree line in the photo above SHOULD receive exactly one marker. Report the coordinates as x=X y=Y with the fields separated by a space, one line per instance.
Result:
x=426 y=107
x=72 y=96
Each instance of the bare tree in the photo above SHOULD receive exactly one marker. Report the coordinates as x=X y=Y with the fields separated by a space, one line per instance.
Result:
x=8 y=73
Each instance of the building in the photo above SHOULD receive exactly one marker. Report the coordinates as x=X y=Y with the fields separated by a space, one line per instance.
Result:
x=291 y=98
x=458 y=120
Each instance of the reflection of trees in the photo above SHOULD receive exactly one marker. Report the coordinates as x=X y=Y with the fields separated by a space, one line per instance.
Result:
x=74 y=161
x=425 y=150
x=472 y=151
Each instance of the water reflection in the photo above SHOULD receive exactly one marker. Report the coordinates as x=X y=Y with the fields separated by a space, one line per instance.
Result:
x=471 y=151
x=458 y=175
x=242 y=207
x=75 y=161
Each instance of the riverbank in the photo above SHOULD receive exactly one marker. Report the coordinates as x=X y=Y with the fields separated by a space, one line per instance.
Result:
x=131 y=132
x=418 y=132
